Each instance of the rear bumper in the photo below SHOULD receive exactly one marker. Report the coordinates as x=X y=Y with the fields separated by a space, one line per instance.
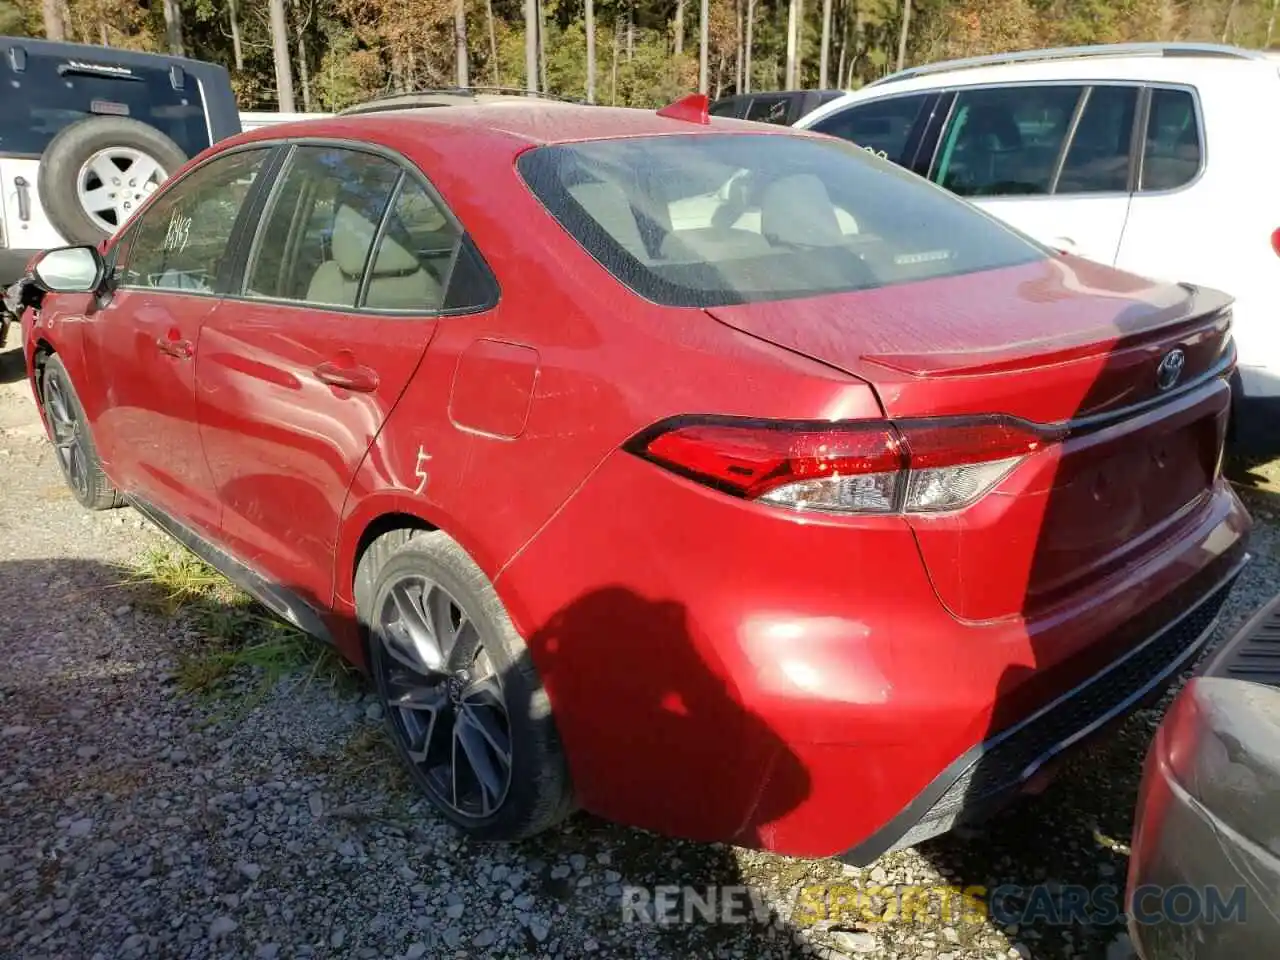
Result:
x=719 y=670
x=992 y=773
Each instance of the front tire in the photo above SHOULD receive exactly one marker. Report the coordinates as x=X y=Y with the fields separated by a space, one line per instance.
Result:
x=463 y=703
x=77 y=456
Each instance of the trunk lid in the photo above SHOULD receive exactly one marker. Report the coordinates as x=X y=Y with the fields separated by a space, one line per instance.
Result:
x=1062 y=341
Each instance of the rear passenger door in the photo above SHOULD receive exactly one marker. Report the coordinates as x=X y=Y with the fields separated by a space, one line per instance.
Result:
x=343 y=283
x=1053 y=160
x=169 y=272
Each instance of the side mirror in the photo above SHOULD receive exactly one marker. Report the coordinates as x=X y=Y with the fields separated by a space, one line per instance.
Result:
x=78 y=269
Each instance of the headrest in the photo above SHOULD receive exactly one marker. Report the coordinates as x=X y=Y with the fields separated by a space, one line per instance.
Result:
x=607 y=204
x=353 y=234
x=994 y=122
x=797 y=211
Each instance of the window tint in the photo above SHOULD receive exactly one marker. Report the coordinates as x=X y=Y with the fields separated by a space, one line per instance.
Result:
x=1004 y=141
x=315 y=240
x=883 y=127
x=705 y=219
x=1171 y=157
x=55 y=91
x=769 y=110
x=725 y=108
x=1098 y=158
x=183 y=238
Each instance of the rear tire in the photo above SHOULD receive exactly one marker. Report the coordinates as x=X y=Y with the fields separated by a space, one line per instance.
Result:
x=77 y=456
x=463 y=703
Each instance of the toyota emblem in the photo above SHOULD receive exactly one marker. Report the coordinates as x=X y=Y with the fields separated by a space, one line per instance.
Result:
x=1170 y=370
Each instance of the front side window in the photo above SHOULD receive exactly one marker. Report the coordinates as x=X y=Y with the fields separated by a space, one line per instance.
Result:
x=883 y=127
x=1172 y=151
x=702 y=220
x=1004 y=141
x=53 y=92
x=1098 y=159
x=184 y=237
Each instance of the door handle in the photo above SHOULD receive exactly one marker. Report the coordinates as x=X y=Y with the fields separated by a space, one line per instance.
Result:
x=1064 y=244
x=24 y=200
x=182 y=349
x=357 y=378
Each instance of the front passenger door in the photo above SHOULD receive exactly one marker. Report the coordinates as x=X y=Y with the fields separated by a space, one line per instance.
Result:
x=167 y=271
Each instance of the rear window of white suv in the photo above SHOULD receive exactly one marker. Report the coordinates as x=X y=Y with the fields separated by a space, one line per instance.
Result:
x=1172 y=153
x=706 y=220
x=52 y=92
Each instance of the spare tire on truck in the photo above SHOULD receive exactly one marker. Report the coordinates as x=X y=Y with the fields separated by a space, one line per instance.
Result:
x=95 y=173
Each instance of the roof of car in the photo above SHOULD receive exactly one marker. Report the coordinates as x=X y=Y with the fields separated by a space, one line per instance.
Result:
x=1145 y=51
x=526 y=121
x=451 y=97
x=1140 y=62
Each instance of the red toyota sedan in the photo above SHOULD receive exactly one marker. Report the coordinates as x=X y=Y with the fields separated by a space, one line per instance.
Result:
x=717 y=479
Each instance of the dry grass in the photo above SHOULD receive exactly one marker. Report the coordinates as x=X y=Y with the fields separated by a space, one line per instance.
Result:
x=242 y=640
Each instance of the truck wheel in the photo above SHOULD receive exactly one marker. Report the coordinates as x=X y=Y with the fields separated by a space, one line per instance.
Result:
x=97 y=172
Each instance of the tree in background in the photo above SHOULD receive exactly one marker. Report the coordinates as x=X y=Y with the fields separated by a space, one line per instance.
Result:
x=280 y=52
x=328 y=54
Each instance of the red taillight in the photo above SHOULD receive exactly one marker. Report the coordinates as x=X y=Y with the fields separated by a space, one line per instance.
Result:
x=946 y=442
x=870 y=466
x=752 y=460
x=1275 y=241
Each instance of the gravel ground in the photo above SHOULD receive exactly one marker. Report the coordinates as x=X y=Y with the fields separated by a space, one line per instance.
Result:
x=139 y=821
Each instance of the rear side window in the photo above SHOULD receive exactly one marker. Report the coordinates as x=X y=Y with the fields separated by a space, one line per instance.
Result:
x=704 y=220
x=412 y=260
x=883 y=127
x=347 y=229
x=1172 y=151
x=1004 y=141
x=53 y=92
x=1098 y=159
x=321 y=224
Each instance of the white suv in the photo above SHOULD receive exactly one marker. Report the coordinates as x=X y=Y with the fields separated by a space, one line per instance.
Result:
x=1160 y=159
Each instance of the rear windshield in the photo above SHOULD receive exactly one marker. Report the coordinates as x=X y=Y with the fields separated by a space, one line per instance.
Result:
x=53 y=92
x=707 y=220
